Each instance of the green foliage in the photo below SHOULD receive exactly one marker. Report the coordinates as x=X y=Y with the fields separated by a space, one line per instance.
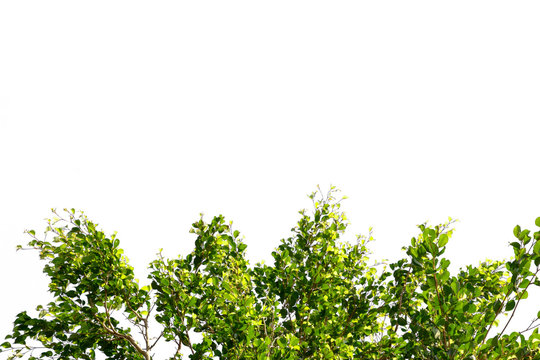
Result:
x=320 y=299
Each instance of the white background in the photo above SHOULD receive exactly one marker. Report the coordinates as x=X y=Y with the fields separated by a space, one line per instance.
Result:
x=144 y=114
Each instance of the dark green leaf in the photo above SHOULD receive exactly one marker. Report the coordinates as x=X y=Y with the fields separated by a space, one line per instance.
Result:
x=510 y=305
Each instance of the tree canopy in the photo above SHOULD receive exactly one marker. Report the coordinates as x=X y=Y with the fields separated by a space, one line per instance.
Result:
x=322 y=298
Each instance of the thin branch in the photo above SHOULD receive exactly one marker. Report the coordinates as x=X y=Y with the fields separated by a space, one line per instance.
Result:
x=516 y=306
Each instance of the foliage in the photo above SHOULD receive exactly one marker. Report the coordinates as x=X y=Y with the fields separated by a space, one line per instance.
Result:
x=320 y=299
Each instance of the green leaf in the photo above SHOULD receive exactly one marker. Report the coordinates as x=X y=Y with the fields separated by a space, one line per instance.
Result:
x=517 y=230
x=443 y=240
x=525 y=283
x=537 y=221
x=444 y=277
x=510 y=305
x=536 y=249
x=445 y=263
x=470 y=308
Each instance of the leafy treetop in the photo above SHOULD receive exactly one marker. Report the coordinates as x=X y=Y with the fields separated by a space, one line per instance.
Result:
x=320 y=299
